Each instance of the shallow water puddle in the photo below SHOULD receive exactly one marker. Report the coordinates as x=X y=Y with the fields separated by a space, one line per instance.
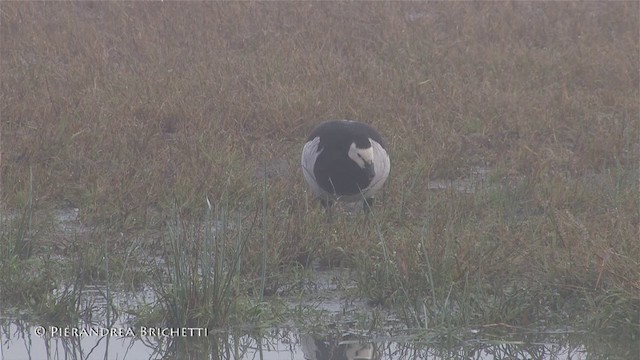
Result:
x=106 y=331
x=470 y=184
x=20 y=341
x=99 y=338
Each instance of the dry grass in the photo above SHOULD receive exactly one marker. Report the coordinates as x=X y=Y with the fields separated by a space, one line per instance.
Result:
x=122 y=109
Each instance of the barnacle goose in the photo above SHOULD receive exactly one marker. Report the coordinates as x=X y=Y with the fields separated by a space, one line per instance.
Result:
x=345 y=160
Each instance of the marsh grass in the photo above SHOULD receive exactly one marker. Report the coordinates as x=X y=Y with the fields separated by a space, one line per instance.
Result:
x=16 y=231
x=202 y=267
x=134 y=113
x=203 y=282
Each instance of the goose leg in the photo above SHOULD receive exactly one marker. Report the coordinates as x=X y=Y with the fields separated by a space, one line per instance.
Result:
x=367 y=205
x=328 y=207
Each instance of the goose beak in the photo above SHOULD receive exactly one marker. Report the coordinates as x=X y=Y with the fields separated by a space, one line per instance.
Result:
x=370 y=170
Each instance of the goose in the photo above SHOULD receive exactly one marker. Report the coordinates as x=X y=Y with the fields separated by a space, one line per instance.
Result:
x=345 y=160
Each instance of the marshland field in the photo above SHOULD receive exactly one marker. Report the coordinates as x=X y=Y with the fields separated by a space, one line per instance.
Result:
x=150 y=177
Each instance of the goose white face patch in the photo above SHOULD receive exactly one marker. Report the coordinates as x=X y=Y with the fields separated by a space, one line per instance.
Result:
x=362 y=157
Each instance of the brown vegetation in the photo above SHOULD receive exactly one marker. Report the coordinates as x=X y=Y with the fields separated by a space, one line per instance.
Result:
x=123 y=109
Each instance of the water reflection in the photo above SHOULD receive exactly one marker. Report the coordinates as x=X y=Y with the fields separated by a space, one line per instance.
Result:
x=19 y=340
x=103 y=334
x=315 y=348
